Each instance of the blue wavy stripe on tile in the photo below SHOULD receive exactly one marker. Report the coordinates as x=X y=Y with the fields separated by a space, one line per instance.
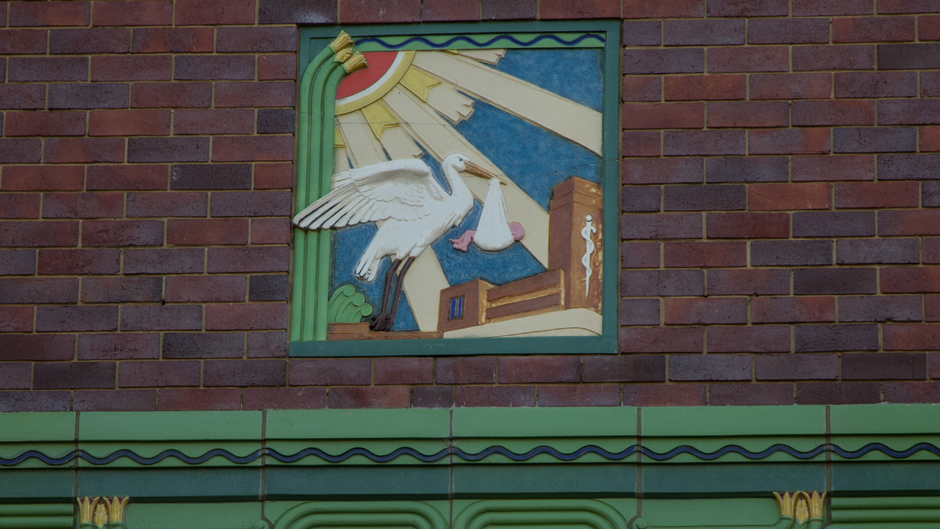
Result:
x=471 y=456
x=871 y=447
x=316 y=452
x=474 y=42
x=539 y=450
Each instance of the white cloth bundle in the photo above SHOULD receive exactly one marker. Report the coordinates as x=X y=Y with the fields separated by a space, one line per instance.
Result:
x=493 y=231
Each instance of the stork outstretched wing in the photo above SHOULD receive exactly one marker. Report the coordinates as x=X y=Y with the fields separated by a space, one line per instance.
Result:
x=399 y=189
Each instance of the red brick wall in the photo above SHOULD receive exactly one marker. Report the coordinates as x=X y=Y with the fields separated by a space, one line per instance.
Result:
x=779 y=240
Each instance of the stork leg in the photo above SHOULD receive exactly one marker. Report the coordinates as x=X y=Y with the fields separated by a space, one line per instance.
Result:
x=401 y=278
x=379 y=319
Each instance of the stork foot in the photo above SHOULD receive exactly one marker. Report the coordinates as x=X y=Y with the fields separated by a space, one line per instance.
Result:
x=381 y=323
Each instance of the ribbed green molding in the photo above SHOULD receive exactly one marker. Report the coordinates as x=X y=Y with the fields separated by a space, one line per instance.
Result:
x=414 y=514
x=58 y=516
x=312 y=248
x=907 y=513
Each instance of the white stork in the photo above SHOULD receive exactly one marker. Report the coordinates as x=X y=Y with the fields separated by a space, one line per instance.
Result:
x=413 y=209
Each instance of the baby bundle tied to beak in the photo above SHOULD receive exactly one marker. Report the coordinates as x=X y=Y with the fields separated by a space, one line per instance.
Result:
x=493 y=231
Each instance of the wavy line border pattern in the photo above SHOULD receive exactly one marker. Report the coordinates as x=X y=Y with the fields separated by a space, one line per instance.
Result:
x=488 y=43
x=470 y=456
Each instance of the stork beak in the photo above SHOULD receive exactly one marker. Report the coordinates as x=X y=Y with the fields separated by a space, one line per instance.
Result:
x=476 y=170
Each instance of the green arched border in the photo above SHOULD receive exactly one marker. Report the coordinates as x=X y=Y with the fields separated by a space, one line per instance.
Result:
x=414 y=514
x=314 y=159
x=523 y=513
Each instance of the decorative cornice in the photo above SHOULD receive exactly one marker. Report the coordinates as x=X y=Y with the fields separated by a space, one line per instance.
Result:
x=470 y=456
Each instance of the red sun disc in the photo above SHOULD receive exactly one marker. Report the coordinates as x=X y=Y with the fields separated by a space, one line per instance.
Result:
x=379 y=64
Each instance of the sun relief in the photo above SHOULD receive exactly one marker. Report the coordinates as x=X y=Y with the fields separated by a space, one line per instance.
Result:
x=460 y=194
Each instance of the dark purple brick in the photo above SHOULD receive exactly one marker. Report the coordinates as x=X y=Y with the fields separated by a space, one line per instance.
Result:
x=827 y=338
x=297 y=11
x=909 y=112
x=930 y=195
x=642 y=33
x=623 y=368
x=709 y=367
x=662 y=283
x=909 y=167
x=579 y=395
x=640 y=198
x=494 y=396
x=639 y=254
x=251 y=204
x=703 y=142
x=85 y=41
x=118 y=346
x=877 y=251
x=21 y=401
x=432 y=397
x=686 y=60
x=497 y=10
x=908 y=56
x=911 y=392
x=17 y=262
x=703 y=32
x=875 y=84
x=15 y=375
x=880 y=308
x=164 y=261
x=788 y=31
x=276 y=121
x=791 y=253
x=268 y=344
x=149 y=150
x=73 y=375
x=161 y=318
x=115 y=400
x=748 y=282
x=884 y=366
x=746 y=169
x=815 y=281
x=747 y=8
x=268 y=288
x=211 y=176
x=874 y=139
x=88 y=95
x=639 y=312
x=827 y=57
x=660 y=226
x=796 y=366
x=121 y=289
x=71 y=319
x=749 y=394
x=194 y=67
x=241 y=373
x=204 y=345
x=704 y=197
x=834 y=224
x=33 y=69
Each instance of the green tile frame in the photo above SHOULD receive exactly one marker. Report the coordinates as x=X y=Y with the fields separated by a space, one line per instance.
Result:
x=311 y=249
x=471 y=430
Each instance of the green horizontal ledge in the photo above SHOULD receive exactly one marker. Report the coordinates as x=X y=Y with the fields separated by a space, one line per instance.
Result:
x=458 y=347
x=467 y=436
